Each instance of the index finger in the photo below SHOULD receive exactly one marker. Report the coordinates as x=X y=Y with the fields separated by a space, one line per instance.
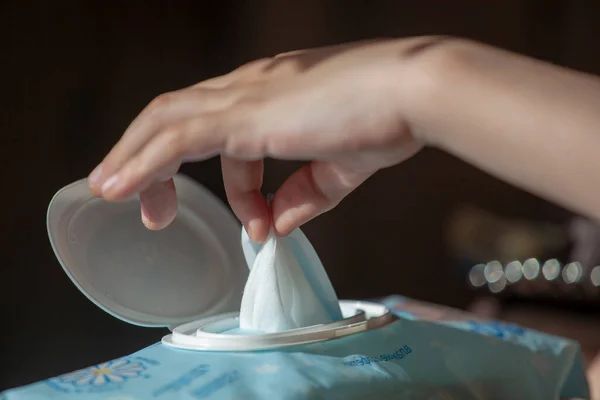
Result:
x=195 y=139
x=166 y=110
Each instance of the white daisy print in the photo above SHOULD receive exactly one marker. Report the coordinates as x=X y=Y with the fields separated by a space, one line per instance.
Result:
x=117 y=371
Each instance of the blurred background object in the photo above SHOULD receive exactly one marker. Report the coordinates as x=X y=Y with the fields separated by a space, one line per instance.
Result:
x=583 y=327
x=475 y=235
x=527 y=260
x=542 y=275
x=76 y=74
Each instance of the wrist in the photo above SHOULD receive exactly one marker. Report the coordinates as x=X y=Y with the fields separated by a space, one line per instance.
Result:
x=434 y=73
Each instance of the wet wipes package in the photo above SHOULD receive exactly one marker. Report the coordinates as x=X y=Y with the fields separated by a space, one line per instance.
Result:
x=190 y=279
x=429 y=352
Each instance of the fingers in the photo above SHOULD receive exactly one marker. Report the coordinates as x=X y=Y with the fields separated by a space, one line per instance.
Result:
x=165 y=110
x=243 y=181
x=200 y=138
x=312 y=190
x=159 y=205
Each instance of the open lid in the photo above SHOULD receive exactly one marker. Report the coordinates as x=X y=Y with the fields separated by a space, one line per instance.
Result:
x=192 y=269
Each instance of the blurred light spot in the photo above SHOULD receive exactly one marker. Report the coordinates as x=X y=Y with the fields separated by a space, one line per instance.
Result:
x=476 y=276
x=497 y=286
x=595 y=276
x=493 y=271
x=513 y=271
x=551 y=269
x=531 y=269
x=572 y=272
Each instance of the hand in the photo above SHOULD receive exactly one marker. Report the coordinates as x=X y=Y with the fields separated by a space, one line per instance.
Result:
x=338 y=107
x=357 y=108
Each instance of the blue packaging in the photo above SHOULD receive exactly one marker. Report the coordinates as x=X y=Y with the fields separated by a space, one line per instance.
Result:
x=196 y=269
x=431 y=352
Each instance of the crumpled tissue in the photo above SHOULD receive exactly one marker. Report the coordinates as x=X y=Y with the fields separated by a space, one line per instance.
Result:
x=286 y=289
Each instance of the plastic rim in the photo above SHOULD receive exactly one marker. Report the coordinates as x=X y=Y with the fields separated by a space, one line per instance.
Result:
x=359 y=317
x=218 y=329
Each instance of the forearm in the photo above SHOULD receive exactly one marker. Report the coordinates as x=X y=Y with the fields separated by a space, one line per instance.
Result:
x=531 y=123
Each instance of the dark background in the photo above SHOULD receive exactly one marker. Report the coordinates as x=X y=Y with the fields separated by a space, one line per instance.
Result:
x=75 y=74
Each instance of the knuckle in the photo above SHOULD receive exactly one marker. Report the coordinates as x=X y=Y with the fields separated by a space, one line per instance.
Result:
x=243 y=145
x=254 y=67
x=240 y=144
x=160 y=102
x=244 y=141
x=250 y=102
x=133 y=171
x=253 y=97
x=392 y=138
x=278 y=147
x=287 y=54
x=245 y=127
x=173 y=141
x=259 y=63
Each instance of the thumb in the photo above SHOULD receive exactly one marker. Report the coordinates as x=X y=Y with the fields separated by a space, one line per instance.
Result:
x=312 y=190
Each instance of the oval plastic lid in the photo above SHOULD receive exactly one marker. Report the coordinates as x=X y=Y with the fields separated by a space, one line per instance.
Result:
x=192 y=269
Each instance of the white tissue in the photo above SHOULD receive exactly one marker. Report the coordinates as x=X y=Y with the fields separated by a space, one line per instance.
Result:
x=278 y=296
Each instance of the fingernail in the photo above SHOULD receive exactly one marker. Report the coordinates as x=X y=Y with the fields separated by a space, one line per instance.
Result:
x=110 y=182
x=145 y=220
x=249 y=232
x=95 y=176
x=283 y=225
x=254 y=229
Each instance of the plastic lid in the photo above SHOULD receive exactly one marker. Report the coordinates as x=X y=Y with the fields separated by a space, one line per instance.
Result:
x=193 y=269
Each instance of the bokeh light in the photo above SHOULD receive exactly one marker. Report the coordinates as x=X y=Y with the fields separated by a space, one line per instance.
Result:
x=551 y=269
x=531 y=269
x=572 y=272
x=476 y=275
x=493 y=271
x=595 y=276
x=497 y=286
x=513 y=271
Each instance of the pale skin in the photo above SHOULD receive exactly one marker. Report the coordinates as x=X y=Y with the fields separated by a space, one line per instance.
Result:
x=357 y=108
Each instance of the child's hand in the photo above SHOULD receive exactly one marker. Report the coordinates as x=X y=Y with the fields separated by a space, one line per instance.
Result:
x=357 y=108
x=338 y=107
